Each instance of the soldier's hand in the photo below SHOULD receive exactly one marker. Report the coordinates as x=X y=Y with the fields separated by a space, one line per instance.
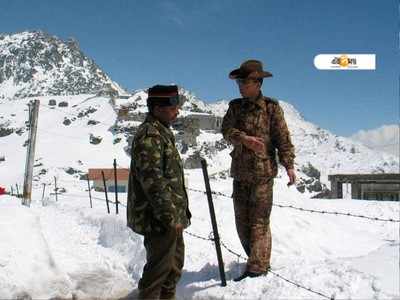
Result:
x=179 y=228
x=292 y=176
x=254 y=143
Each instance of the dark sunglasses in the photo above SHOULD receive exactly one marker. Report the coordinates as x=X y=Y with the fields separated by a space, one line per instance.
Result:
x=165 y=101
x=244 y=81
x=174 y=100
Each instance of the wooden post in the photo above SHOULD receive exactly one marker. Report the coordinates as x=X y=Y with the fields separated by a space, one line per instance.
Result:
x=90 y=194
x=115 y=185
x=55 y=187
x=30 y=156
x=213 y=222
x=105 y=191
x=44 y=188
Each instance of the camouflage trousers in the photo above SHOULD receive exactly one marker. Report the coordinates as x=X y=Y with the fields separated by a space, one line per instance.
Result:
x=165 y=253
x=252 y=205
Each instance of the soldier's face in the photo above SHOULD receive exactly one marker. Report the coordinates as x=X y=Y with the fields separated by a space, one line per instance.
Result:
x=248 y=88
x=167 y=114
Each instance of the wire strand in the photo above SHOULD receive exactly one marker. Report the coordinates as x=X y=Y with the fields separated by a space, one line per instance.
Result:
x=312 y=210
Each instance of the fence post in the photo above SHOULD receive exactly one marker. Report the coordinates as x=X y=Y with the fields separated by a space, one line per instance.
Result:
x=105 y=190
x=30 y=153
x=213 y=222
x=17 y=190
x=55 y=187
x=115 y=186
x=90 y=194
x=44 y=188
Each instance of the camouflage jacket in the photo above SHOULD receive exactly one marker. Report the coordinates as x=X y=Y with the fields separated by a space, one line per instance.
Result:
x=157 y=197
x=263 y=118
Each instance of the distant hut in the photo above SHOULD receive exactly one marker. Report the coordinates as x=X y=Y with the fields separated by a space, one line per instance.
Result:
x=122 y=179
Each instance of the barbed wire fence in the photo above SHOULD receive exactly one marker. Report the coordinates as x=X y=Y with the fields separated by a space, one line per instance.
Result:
x=312 y=210
x=336 y=213
x=211 y=239
x=297 y=284
x=240 y=257
x=276 y=274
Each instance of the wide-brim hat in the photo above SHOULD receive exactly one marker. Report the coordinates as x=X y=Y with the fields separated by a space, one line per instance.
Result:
x=250 y=69
x=163 y=95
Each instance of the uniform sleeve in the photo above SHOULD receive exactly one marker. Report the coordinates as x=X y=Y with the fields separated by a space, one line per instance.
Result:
x=230 y=133
x=281 y=138
x=148 y=155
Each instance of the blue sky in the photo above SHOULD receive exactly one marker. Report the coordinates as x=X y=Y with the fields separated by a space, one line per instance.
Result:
x=197 y=43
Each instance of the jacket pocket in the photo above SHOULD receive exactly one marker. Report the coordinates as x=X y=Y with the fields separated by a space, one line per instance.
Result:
x=262 y=167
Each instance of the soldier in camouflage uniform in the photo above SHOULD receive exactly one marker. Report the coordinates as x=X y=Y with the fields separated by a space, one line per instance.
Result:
x=157 y=199
x=256 y=127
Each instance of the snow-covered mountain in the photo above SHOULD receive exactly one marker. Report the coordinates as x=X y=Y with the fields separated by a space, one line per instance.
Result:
x=34 y=63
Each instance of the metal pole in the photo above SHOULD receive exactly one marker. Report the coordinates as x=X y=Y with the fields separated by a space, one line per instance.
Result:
x=12 y=192
x=30 y=153
x=55 y=187
x=90 y=194
x=17 y=190
x=115 y=185
x=105 y=191
x=213 y=222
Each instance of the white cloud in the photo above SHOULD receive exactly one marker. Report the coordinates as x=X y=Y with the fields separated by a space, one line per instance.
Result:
x=385 y=138
x=173 y=12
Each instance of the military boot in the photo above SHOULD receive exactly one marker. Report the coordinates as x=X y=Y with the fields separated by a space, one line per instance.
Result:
x=248 y=274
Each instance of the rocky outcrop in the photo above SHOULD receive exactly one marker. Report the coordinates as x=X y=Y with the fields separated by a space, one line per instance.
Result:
x=4 y=131
x=311 y=171
x=95 y=139
x=36 y=64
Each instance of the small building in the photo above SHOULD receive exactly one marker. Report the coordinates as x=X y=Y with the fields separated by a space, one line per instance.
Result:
x=206 y=121
x=384 y=186
x=122 y=179
x=203 y=121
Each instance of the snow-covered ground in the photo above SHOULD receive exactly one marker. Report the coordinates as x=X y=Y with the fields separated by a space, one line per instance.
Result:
x=65 y=248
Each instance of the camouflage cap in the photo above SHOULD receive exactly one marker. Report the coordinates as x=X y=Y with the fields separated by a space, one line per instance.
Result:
x=250 y=69
x=163 y=95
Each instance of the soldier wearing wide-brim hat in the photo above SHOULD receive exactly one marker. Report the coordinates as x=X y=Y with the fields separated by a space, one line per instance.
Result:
x=157 y=205
x=250 y=69
x=256 y=127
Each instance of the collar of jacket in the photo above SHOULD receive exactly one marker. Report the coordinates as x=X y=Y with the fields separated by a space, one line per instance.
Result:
x=259 y=101
x=159 y=125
